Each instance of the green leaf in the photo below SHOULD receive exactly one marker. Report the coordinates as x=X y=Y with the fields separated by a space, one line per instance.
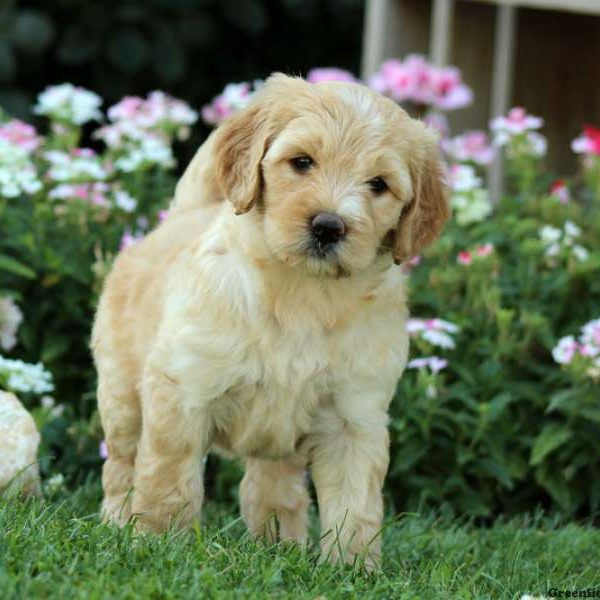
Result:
x=14 y=266
x=550 y=438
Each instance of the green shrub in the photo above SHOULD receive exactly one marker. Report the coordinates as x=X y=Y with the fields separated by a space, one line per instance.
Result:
x=505 y=419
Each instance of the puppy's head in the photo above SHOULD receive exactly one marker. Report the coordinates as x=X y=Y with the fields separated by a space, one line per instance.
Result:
x=338 y=173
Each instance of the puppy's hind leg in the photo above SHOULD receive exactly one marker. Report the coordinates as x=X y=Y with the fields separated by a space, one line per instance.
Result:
x=275 y=489
x=120 y=412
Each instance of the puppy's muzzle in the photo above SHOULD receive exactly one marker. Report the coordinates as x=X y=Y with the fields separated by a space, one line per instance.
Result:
x=327 y=230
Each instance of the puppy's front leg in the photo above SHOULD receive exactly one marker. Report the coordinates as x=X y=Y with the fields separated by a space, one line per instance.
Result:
x=349 y=463
x=168 y=486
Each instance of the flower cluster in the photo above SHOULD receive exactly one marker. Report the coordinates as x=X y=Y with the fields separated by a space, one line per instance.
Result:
x=80 y=164
x=471 y=147
x=559 y=242
x=69 y=104
x=466 y=257
x=18 y=376
x=20 y=134
x=98 y=194
x=234 y=97
x=588 y=142
x=436 y=332
x=415 y=80
x=586 y=347
x=469 y=199
x=10 y=319
x=18 y=174
x=141 y=131
x=518 y=131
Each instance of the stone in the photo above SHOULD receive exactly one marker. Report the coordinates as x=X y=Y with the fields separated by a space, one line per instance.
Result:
x=19 y=442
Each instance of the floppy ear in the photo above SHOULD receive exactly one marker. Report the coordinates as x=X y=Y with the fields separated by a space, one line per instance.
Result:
x=423 y=218
x=239 y=146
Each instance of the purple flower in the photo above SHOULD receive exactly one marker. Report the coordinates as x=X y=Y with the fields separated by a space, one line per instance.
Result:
x=103 y=450
x=434 y=363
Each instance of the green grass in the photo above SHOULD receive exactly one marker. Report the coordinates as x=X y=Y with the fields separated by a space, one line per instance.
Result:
x=58 y=549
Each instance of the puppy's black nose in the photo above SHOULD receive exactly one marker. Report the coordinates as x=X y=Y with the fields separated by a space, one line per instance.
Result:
x=327 y=228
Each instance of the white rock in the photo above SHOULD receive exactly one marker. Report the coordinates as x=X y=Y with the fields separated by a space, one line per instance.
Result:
x=19 y=441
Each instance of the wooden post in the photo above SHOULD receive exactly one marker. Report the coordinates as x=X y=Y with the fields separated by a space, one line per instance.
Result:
x=441 y=32
x=374 y=35
x=504 y=51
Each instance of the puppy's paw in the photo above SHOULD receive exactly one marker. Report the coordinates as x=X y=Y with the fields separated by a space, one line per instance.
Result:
x=116 y=510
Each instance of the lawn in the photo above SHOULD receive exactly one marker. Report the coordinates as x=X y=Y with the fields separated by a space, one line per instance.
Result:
x=58 y=549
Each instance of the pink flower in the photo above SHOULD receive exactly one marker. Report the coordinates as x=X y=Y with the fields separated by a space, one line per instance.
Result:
x=588 y=142
x=103 y=450
x=517 y=121
x=21 y=134
x=437 y=122
x=565 y=350
x=450 y=92
x=560 y=191
x=329 y=74
x=234 y=97
x=413 y=261
x=472 y=146
x=484 y=250
x=464 y=258
x=129 y=239
x=162 y=215
x=415 y=80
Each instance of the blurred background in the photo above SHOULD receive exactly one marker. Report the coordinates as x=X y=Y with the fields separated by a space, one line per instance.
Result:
x=191 y=48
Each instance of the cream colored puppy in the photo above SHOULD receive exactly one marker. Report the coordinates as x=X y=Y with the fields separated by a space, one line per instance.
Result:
x=271 y=325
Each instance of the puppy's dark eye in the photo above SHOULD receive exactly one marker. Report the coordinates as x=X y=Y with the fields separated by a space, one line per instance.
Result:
x=377 y=185
x=302 y=163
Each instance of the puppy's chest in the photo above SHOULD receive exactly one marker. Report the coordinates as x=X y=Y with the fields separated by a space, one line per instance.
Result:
x=287 y=377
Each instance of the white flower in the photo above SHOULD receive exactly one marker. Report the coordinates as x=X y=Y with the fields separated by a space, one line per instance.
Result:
x=471 y=207
x=124 y=201
x=17 y=173
x=58 y=410
x=25 y=377
x=580 y=253
x=81 y=164
x=549 y=234
x=565 y=350
x=66 y=102
x=55 y=483
x=47 y=401
x=151 y=150
x=10 y=319
x=435 y=331
x=590 y=333
x=571 y=229
x=537 y=144
x=439 y=338
x=553 y=249
x=463 y=178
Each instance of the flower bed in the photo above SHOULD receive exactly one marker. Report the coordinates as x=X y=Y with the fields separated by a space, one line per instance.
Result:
x=500 y=407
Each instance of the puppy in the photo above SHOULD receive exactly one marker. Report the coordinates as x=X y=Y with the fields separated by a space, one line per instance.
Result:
x=266 y=318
